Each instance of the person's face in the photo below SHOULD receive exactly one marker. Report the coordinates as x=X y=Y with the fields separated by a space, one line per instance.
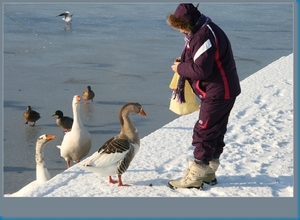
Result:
x=182 y=31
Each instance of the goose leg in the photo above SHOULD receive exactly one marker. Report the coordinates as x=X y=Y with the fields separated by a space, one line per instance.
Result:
x=68 y=164
x=120 y=181
x=32 y=124
x=111 y=180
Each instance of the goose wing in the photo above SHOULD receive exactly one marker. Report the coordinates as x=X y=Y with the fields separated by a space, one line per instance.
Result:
x=114 y=145
x=112 y=152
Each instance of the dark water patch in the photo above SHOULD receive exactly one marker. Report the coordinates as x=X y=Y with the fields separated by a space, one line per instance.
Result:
x=99 y=65
x=17 y=169
x=247 y=60
x=15 y=105
x=81 y=81
x=120 y=103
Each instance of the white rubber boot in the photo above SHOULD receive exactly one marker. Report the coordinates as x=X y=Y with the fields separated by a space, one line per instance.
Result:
x=193 y=177
x=210 y=177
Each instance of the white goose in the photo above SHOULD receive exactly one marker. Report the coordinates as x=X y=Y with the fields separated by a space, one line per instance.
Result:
x=42 y=174
x=77 y=143
x=115 y=155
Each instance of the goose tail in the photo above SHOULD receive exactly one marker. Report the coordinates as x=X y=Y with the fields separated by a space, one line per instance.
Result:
x=100 y=171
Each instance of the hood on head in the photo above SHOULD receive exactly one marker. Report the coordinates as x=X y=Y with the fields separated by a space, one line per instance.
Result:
x=184 y=17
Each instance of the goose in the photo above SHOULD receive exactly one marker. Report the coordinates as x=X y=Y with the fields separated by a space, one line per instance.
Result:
x=31 y=115
x=63 y=121
x=88 y=94
x=42 y=174
x=76 y=143
x=67 y=17
x=116 y=154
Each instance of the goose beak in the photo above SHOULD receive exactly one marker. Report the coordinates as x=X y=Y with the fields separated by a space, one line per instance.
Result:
x=78 y=98
x=143 y=113
x=50 y=137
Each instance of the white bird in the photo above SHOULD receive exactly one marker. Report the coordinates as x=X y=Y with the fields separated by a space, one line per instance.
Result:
x=42 y=174
x=76 y=143
x=67 y=17
x=115 y=156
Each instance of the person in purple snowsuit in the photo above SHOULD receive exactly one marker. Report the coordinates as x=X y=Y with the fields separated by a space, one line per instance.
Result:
x=207 y=63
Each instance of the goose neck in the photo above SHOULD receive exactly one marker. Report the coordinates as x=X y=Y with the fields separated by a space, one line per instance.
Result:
x=39 y=155
x=128 y=129
x=76 y=116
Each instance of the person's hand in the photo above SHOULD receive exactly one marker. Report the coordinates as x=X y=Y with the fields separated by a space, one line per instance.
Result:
x=178 y=59
x=175 y=66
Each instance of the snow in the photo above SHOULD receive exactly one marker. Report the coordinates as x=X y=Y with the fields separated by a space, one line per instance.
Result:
x=257 y=160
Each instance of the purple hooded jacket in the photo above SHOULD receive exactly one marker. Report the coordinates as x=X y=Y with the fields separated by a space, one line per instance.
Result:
x=207 y=60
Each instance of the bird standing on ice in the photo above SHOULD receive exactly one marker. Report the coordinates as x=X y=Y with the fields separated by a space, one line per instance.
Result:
x=67 y=17
x=31 y=115
x=63 y=121
x=42 y=174
x=115 y=156
x=88 y=94
x=76 y=143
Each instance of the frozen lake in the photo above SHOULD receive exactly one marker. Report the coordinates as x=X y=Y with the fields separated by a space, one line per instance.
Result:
x=124 y=52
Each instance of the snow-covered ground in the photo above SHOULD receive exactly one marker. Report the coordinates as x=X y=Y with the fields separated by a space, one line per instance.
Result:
x=257 y=160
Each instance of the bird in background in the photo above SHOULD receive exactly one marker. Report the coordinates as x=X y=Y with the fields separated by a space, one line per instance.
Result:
x=62 y=121
x=67 y=17
x=88 y=94
x=31 y=116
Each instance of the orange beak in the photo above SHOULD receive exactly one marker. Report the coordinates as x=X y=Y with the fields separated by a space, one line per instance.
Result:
x=50 y=137
x=143 y=113
x=78 y=98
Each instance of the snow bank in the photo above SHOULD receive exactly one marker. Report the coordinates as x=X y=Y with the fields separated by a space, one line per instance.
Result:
x=257 y=160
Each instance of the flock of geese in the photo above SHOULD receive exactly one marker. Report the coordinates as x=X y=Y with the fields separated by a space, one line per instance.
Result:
x=112 y=158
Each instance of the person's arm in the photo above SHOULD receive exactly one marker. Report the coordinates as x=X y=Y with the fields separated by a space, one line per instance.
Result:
x=203 y=60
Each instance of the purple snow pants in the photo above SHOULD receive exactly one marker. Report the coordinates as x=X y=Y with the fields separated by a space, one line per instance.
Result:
x=209 y=130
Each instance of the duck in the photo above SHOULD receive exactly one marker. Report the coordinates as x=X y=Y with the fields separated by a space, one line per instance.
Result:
x=62 y=121
x=88 y=94
x=76 y=143
x=116 y=154
x=42 y=173
x=31 y=116
x=67 y=17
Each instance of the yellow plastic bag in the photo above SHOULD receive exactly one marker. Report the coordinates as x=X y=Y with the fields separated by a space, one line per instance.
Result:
x=190 y=105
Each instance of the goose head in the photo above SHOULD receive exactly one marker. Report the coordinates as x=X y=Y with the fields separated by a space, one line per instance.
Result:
x=132 y=107
x=44 y=139
x=76 y=100
x=127 y=127
x=40 y=144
